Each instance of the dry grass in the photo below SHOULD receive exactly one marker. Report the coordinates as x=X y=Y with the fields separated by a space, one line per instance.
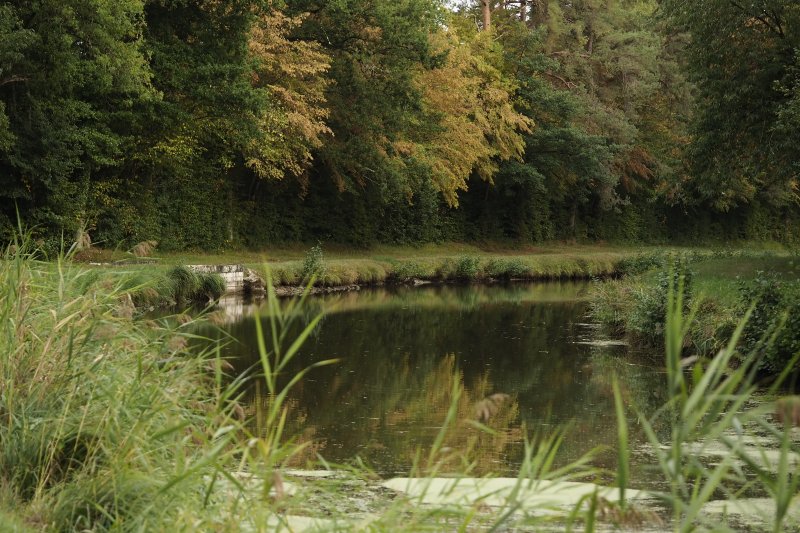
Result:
x=144 y=248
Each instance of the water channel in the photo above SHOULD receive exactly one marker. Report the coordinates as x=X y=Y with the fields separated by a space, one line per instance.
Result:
x=528 y=357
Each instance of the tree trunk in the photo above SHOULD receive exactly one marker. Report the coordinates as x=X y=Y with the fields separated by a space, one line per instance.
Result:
x=523 y=10
x=486 y=11
x=573 y=218
x=539 y=12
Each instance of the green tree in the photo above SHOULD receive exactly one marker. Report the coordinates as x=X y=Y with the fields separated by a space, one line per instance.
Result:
x=601 y=82
x=376 y=49
x=742 y=58
x=70 y=73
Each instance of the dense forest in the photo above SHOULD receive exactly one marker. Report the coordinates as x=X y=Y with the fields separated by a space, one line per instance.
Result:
x=210 y=124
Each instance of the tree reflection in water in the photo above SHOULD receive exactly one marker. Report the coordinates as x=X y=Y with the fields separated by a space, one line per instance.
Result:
x=401 y=350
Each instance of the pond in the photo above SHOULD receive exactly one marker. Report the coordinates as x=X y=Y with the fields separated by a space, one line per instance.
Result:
x=528 y=358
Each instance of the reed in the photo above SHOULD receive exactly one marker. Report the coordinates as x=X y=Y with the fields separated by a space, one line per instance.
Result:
x=710 y=405
x=114 y=423
x=106 y=422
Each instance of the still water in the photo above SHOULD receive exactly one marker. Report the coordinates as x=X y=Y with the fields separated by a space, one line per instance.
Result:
x=528 y=359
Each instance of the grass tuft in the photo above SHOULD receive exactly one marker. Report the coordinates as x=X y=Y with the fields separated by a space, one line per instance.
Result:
x=212 y=287
x=144 y=248
x=185 y=283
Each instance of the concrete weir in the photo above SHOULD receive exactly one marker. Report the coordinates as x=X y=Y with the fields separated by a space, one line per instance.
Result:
x=238 y=278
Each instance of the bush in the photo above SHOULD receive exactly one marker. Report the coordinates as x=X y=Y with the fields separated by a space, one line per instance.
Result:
x=774 y=327
x=313 y=264
x=466 y=268
x=649 y=312
x=507 y=269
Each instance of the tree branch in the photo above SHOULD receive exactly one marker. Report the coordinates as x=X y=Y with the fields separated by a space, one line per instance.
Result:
x=764 y=18
x=13 y=79
x=568 y=84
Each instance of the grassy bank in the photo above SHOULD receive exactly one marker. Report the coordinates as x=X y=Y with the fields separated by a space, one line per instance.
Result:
x=106 y=422
x=720 y=288
x=338 y=267
x=448 y=262
x=111 y=423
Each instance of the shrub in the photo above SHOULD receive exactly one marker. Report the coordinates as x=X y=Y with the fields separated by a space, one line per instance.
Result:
x=313 y=264
x=649 y=312
x=774 y=327
x=466 y=268
x=507 y=269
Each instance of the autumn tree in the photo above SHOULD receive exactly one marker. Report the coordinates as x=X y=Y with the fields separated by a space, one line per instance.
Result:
x=293 y=74
x=375 y=49
x=473 y=102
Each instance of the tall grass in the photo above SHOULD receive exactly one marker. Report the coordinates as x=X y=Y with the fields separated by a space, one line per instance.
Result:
x=276 y=350
x=108 y=423
x=711 y=405
x=105 y=423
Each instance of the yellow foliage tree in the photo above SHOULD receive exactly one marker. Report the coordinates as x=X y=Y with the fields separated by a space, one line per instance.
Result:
x=479 y=125
x=293 y=75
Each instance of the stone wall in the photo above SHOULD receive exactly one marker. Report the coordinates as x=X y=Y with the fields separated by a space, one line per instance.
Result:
x=238 y=279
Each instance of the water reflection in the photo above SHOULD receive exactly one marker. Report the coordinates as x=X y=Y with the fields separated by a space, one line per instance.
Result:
x=401 y=350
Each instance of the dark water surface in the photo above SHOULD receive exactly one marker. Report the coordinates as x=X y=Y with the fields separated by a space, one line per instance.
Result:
x=400 y=350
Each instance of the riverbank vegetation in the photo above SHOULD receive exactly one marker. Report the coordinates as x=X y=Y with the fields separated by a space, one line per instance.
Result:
x=341 y=267
x=214 y=126
x=723 y=286
x=114 y=423
x=166 y=280
x=355 y=141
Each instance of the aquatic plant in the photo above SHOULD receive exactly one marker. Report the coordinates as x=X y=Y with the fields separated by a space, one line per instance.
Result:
x=106 y=422
x=267 y=448
x=711 y=406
